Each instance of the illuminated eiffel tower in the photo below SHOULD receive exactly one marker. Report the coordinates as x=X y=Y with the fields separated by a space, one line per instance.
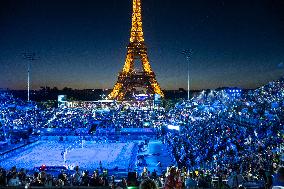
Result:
x=130 y=78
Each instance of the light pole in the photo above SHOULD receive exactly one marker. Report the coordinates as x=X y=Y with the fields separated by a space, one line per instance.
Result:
x=29 y=56
x=187 y=53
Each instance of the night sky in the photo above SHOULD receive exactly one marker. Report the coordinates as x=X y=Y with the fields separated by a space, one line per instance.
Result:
x=82 y=43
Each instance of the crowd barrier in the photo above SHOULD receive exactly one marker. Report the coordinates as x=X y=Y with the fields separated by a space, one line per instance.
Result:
x=55 y=187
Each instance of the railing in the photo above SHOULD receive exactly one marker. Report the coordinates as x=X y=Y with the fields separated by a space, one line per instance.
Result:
x=55 y=187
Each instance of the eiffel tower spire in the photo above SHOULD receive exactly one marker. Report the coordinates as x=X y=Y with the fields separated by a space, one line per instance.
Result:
x=136 y=29
x=129 y=78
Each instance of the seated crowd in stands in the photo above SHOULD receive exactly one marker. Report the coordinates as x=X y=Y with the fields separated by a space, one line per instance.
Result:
x=220 y=134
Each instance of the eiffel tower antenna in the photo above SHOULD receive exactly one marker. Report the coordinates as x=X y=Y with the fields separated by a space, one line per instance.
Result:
x=129 y=78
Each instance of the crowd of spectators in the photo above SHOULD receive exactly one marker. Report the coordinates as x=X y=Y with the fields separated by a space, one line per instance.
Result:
x=174 y=178
x=227 y=134
x=221 y=132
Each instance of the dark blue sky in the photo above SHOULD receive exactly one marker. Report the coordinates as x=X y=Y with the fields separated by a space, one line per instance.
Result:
x=82 y=43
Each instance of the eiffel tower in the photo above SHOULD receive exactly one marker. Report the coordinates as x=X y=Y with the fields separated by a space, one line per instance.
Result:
x=130 y=78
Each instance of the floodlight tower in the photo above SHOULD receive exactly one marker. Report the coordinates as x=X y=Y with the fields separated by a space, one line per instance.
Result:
x=187 y=53
x=30 y=57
